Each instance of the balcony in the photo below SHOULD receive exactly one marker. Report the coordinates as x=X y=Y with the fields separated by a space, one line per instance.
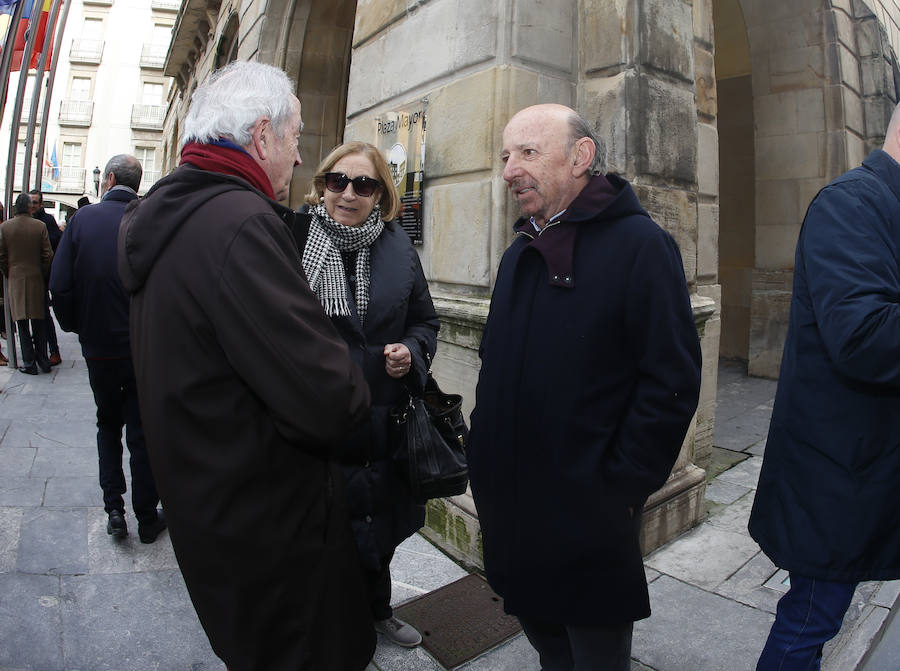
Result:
x=76 y=113
x=153 y=56
x=148 y=117
x=165 y=5
x=148 y=179
x=86 y=51
x=70 y=180
x=101 y=3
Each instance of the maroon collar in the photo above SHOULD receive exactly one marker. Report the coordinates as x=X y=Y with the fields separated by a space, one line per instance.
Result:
x=228 y=161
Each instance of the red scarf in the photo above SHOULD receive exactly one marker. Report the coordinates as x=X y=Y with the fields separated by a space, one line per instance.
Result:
x=228 y=161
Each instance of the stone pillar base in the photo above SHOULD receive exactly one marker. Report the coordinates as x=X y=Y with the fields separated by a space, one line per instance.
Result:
x=675 y=508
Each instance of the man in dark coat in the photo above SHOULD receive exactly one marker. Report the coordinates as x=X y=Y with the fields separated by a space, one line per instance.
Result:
x=89 y=299
x=55 y=234
x=25 y=258
x=590 y=377
x=246 y=388
x=827 y=507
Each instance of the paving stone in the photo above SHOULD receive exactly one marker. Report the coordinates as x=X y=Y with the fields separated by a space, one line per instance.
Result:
x=75 y=492
x=16 y=461
x=30 y=631
x=689 y=625
x=390 y=657
x=757 y=449
x=21 y=491
x=734 y=517
x=850 y=650
x=747 y=585
x=10 y=525
x=65 y=461
x=419 y=567
x=887 y=594
x=128 y=555
x=138 y=621
x=705 y=556
x=516 y=654
x=722 y=491
x=745 y=473
x=53 y=541
x=744 y=430
x=49 y=433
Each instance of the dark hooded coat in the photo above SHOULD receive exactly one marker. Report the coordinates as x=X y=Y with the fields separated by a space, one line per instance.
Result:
x=590 y=377
x=246 y=391
x=827 y=504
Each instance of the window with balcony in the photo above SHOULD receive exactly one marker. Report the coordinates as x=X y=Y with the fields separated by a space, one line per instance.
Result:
x=146 y=156
x=88 y=47
x=165 y=5
x=71 y=174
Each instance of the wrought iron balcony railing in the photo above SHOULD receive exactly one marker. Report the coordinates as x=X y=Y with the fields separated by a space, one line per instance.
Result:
x=148 y=117
x=86 y=51
x=154 y=56
x=75 y=112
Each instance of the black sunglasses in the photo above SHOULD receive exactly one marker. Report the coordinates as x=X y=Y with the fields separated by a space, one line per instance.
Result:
x=362 y=186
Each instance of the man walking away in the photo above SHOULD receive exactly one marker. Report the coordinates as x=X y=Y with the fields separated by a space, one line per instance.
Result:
x=38 y=212
x=89 y=299
x=25 y=257
x=827 y=508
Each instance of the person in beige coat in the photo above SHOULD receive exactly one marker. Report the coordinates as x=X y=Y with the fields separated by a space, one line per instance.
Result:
x=25 y=257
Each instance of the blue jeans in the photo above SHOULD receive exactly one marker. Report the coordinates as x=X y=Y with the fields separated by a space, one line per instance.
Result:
x=808 y=616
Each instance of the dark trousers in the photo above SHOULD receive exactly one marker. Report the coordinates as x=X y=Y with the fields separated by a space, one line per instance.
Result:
x=52 y=343
x=33 y=342
x=566 y=647
x=807 y=617
x=115 y=393
x=379 y=584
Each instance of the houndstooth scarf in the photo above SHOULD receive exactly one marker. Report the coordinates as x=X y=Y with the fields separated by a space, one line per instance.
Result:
x=324 y=266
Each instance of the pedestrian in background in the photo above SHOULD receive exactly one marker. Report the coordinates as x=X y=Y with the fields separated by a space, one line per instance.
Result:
x=89 y=299
x=590 y=376
x=364 y=270
x=248 y=392
x=827 y=507
x=55 y=235
x=25 y=257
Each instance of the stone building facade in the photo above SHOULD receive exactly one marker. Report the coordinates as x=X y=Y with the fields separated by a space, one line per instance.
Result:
x=726 y=115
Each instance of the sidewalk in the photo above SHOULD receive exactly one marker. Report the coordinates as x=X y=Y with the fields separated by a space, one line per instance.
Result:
x=72 y=599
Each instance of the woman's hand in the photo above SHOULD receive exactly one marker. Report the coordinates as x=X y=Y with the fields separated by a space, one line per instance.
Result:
x=397 y=359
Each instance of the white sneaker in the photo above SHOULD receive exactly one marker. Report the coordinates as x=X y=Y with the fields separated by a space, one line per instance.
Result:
x=399 y=632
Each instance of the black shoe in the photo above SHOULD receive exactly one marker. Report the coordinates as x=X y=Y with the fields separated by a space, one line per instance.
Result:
x=29 y=370
x=116 y=526
x=149 y=531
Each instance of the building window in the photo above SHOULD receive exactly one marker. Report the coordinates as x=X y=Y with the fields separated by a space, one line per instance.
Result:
x=152 y=94
x=80 y=88
x=146 y=156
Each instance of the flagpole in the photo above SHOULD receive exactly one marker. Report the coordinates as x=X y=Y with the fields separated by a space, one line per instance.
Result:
x=36 y=97
x=57 y=44
x=6 y=62
x=11 y=156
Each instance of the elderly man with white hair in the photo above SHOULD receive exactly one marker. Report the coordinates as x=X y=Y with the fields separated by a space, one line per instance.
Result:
x=246 y=388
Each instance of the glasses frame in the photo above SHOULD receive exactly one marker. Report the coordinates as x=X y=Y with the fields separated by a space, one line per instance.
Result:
x=362 y=186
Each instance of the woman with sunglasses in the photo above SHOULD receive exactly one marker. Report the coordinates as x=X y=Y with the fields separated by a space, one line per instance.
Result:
x=368 y=277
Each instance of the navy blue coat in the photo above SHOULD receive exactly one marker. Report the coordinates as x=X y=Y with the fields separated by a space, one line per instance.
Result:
x=828 y=502
x=88 y=296
x=400 y=309
x=590 y=377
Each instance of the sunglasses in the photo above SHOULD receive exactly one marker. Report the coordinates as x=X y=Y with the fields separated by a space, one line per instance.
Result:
x=362 y=186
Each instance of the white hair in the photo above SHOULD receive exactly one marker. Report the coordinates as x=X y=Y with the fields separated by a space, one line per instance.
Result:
x=234 y=98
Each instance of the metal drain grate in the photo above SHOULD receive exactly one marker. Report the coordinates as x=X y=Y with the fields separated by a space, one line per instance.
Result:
x=459 y=621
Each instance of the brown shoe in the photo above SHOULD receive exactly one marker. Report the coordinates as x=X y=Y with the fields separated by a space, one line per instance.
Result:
x=3 y=360
x=55 y=359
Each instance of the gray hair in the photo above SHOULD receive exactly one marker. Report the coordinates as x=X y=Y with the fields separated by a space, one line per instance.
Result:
x=234 y=98
x=579 y=128
x=22 y=204
x=127 y=170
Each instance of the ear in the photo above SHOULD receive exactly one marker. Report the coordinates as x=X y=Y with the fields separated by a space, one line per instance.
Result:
x=582 y=156
x=261 y=137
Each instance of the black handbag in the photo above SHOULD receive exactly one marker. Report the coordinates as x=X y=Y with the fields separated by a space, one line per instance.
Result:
x=429 y=435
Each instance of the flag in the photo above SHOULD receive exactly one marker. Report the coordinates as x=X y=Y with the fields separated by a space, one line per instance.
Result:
x=50 y=174
x=7 y=8
x=25 y=25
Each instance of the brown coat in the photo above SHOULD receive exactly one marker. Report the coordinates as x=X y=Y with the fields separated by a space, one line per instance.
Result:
x=25 y=257
x=247 y=392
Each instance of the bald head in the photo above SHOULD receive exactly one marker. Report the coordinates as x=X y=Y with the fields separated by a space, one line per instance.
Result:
x=546 y=166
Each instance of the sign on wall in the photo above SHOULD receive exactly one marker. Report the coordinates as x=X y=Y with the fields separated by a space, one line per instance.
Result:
x=400 y=136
